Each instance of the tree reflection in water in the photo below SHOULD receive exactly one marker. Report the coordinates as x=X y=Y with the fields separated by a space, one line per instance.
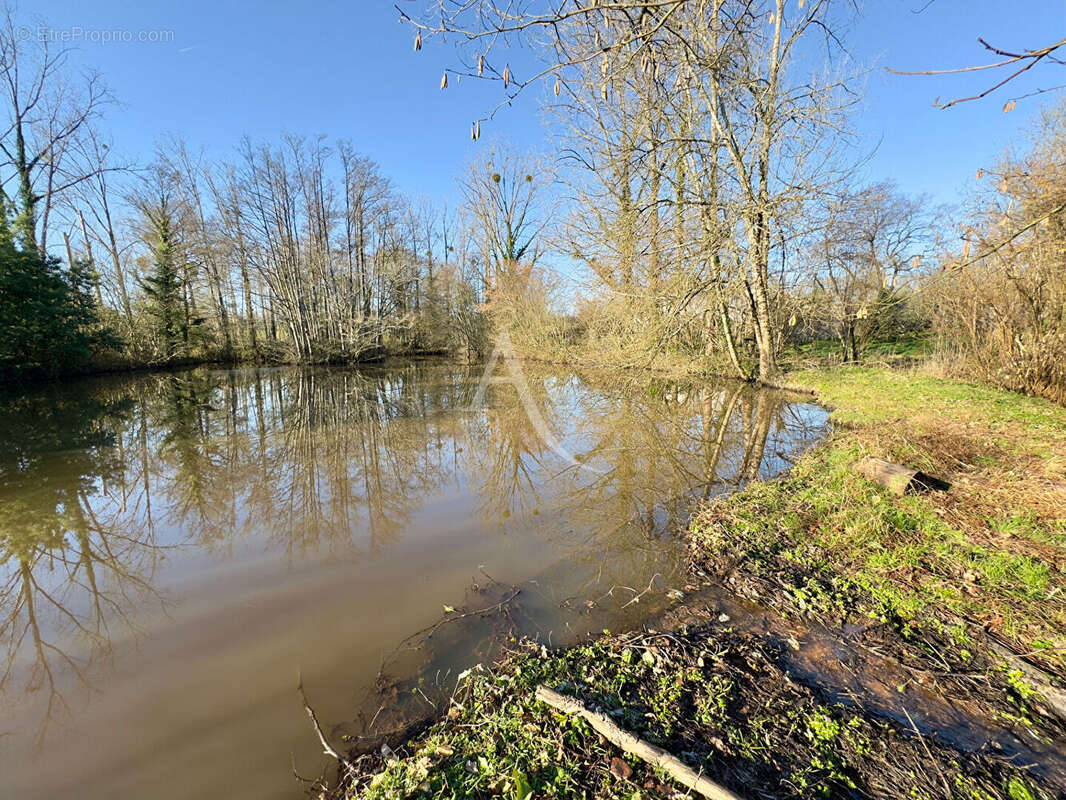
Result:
x=70 y=579
x=101 y=480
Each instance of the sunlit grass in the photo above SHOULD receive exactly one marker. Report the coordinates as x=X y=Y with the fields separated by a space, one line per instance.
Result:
x=990 y=550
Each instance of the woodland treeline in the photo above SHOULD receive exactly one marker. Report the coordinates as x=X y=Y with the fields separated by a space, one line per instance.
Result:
x=708 y=150
x=699 y=210
x=298 y=250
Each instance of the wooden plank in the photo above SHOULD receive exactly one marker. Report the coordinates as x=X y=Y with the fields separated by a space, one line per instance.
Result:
x=897 y=478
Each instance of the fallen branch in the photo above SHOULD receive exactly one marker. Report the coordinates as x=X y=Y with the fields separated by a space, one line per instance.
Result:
x=326 y=748
x=633 y=745
x=1041 y=680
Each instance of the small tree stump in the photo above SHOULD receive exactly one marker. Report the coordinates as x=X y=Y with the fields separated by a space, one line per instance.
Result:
x=897 y=478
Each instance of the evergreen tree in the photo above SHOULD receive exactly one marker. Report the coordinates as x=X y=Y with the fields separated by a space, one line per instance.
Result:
x=167 y=289
x=48 y=319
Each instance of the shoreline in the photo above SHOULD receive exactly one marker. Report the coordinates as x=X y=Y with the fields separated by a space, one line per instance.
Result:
x=837 y=638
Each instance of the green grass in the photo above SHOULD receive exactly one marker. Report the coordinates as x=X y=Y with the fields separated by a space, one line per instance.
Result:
x=912 y=346
x=865 y=395
x=987 y=550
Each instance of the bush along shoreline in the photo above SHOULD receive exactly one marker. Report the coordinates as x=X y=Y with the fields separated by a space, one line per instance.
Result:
x=836 y=640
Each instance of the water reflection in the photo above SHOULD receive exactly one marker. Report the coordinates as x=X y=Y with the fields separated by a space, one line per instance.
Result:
x=70 y=578
x=111 y=491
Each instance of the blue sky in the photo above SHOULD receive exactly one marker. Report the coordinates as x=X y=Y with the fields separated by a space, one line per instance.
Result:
x=347 y=69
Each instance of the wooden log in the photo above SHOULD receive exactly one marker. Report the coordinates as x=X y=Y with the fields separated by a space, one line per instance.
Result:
x=1041 y=681
x=655 y=756
x=1037 y=676
x=897 y=478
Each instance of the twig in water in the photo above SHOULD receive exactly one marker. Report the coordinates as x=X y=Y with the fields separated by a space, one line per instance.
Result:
x=925 y=747
x=326 y=748
x=453 y=617
x=370 y=727
x=638 y=595
x=313 y=781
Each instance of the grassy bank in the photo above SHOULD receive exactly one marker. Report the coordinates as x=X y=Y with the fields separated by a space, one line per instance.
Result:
x=848 y=642
x=992 y=550
x=889 y=351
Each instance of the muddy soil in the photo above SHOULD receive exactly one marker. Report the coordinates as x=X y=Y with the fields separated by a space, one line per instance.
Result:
x=769 y=704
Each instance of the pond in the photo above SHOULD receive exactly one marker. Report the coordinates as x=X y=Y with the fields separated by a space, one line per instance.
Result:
x=178 y=550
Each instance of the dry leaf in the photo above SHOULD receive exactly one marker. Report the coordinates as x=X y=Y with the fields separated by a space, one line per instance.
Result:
x=980 y=172
x=1009 y=106
x=418 y=41
x=506 y=76
x=480 y=65
x=620 y=769
x=557 y=87
x=444 y=81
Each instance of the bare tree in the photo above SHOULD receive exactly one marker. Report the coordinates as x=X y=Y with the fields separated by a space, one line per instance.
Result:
x=697 y=117
x=226 y=197
x=47 y=111
x=507 y=212
x=209 y=249
x=873 y=243
x=96 y=197
x=504 y=195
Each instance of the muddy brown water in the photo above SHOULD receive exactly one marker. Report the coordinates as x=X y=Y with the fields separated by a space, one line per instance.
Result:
x=176 y=549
